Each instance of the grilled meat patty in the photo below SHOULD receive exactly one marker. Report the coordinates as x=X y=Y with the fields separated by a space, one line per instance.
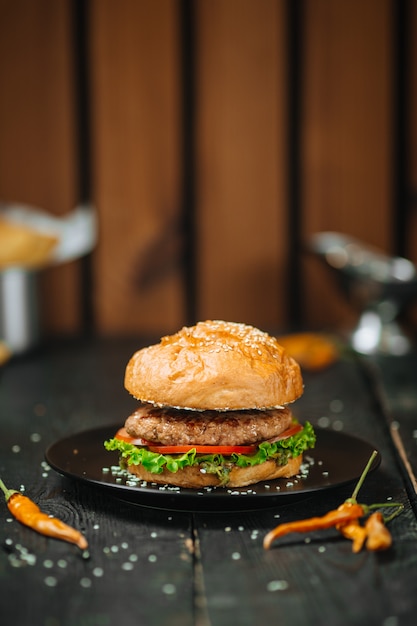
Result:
x=181 y=427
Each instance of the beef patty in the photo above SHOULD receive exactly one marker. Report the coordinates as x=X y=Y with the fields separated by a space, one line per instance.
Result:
x=181 y=427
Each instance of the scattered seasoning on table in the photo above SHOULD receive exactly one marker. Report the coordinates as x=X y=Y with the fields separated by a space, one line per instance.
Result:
x=374 y=534
x=277 y=585
x=29 y=514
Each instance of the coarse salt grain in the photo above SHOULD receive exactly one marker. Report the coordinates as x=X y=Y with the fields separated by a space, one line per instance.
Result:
x=277 y=585
x=98 y=572
x=128 y=566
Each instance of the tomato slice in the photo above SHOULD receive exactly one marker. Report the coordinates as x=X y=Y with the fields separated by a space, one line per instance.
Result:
x=225 y=450
x=292 y=430
x=123 y=435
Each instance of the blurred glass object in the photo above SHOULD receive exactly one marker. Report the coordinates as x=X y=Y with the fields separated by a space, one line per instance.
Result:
x=378 y=285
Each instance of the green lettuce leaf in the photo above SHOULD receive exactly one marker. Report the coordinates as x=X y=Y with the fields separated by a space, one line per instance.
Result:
x=154 y=462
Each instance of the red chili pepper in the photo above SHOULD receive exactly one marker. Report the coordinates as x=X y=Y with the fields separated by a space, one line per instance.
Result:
x=29 y=514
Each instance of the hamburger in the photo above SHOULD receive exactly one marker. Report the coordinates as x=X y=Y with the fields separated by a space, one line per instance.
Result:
x=213 y=409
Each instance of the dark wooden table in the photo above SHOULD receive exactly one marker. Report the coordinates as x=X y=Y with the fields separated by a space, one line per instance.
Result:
x=166 y=567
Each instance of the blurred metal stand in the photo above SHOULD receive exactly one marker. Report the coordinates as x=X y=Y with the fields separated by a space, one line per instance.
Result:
x=76 y=232
x=378 y=285
x=19 y=317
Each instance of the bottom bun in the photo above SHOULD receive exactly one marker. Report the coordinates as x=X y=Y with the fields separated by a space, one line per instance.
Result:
x=193 y=478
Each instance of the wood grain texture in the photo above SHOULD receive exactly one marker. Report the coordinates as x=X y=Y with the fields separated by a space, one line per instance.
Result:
x=347 y=136
x=37 y=130
x=241 y=151
x=136 y=163
x=139 y=567
x=241 y=172
x=411 y=241
x=193 y=568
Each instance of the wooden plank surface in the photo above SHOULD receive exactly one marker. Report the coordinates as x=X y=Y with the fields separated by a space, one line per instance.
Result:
x=178 y=567
x=315 y=578
x=395 y=384
x=140 y=564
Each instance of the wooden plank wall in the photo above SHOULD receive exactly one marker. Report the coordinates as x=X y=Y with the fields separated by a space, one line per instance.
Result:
x=241 y=165
x=347 y=139
x=38 y=131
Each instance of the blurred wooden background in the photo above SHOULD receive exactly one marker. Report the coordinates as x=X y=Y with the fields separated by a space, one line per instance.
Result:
x=213 y=137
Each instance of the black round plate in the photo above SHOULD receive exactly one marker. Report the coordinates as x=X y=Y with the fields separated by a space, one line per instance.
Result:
x=337 y=459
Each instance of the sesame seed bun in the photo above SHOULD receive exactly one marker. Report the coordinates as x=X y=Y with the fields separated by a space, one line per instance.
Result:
x=215 y=365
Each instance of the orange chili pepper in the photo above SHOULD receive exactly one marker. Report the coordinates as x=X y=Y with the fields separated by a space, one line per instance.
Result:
x=29 y=514
x=346 y=520
x=378 y=535
x=313 y=351
x=344 y=514
x=354 y=531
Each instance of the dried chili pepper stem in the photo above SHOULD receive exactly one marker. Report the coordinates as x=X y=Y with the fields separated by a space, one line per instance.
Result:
x=374 y=532
x=382 y=505
x=362 y=477
x=29 y=514
x=353 y=530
